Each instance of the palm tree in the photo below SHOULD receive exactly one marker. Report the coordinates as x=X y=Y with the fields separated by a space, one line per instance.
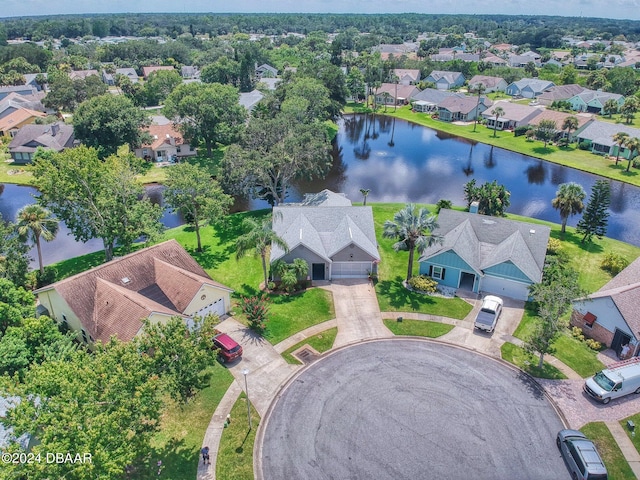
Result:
x=497 y=112
x=629 y=108
x=260 y=236
x=480 y=89
x=570 y=123
x=633 y=144
x=621 y=139
x=412 y=226
x=610 y=107
x=364 y=192
x=569 y=201
x=35 y=222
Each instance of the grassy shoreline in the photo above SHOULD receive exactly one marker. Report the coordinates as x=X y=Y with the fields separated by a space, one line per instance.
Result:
x=569 y=156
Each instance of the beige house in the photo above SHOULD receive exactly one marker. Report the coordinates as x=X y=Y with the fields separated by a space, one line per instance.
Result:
x=157 y=282
x=167 y=145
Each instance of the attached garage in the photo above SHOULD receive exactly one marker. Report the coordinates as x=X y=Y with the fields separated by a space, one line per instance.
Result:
x=350 y=269
x=505 y=287
x=216 y=308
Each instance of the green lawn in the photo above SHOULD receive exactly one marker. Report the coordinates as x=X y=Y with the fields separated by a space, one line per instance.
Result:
x=235 y=456
x=569 y=350
x=177 y=444
x=634 y=438
x=617 y=466
x=529 y=363
x=418 y=328
x=392 y=296
x=570 y=156
x=321 y=342
x=18 y=174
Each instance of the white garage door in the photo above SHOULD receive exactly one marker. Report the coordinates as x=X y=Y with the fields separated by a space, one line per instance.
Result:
x=217 y=308
x=350 y=269
x=505 y=288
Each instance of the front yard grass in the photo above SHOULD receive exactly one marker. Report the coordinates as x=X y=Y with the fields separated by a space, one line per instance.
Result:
x=177 y=445
x=235 y=455
x=418 y=328
x=617 y=466
x=634 y=438
x=392 y=296
x=321 y=342
x=529 y=363
x=569 y=350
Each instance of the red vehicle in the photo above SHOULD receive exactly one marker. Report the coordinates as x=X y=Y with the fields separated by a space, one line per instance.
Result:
x=228 y=348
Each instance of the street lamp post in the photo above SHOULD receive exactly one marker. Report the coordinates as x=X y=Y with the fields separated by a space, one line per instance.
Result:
x=245 y=372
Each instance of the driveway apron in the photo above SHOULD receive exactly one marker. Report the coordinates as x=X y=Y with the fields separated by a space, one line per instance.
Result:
x=357 y=312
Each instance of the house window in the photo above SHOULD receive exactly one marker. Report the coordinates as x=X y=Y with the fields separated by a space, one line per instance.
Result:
x=437 y=273
x=84 y=335
x=178 y=149
x=64 y=317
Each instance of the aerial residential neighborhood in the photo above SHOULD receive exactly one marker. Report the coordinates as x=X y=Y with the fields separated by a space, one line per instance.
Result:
x=319 y=245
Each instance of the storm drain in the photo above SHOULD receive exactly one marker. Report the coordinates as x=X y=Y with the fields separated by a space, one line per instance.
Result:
x=306 y=354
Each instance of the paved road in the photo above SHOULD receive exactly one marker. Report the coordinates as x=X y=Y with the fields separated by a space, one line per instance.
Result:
x=404 y=408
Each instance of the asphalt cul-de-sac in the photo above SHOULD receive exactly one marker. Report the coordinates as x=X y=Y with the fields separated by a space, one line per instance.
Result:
x=405 y=408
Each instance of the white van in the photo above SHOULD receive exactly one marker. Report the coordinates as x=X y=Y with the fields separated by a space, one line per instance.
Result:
x=619 y=379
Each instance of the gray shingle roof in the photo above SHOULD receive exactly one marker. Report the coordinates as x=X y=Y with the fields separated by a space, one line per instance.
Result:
x=483 y=241
x=30 y=137
x=324 y=228
x=602 y=132
x=434 y=96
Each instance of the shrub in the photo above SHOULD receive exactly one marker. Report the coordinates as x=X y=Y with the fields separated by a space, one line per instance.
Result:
x=256 y=309
x=423 y=283
x=520 y=130
x=563 y=142
x=584 y=145
x=442 y=203
x=614 y=263
x=530 y=134
x=554 y=246
x=576 y=332
x=271 y=286
x=593 y=344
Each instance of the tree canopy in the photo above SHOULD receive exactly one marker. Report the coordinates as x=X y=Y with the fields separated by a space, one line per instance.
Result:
x=493 y=199
x=596 y=216
x=96 y=198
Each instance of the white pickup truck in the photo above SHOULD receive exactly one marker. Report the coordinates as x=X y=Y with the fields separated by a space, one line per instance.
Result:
x=489 y=313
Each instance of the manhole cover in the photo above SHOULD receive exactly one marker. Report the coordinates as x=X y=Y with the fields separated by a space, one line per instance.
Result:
x=306 y=354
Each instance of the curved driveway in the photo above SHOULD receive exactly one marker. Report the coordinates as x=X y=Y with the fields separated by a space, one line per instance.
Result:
x=403 y=408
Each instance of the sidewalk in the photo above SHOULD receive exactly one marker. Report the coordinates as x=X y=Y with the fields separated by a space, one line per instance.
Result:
x=358 y=318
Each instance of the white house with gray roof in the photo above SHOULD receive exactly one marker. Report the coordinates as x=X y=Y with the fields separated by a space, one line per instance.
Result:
x=486 y=254
x=445 y=80
x=599 y=136
x=335 y=238
x=611 y=315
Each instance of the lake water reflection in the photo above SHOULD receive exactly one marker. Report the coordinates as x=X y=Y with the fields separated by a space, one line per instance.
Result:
x=403 y=162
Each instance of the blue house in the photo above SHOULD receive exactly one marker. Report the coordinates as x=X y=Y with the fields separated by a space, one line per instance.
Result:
x=486 y=254
x=528 y=87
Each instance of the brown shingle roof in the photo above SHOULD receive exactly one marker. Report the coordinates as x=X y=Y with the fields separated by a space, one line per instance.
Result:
x=146 y=71
x=159 y=135
x=18 y=118
x=559 y=118
x=113 y=299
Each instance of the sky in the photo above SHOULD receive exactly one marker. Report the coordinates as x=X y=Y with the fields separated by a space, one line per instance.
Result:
x=629 y=9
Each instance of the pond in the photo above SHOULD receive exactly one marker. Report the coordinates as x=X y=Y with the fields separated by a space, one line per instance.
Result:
x=403 y=162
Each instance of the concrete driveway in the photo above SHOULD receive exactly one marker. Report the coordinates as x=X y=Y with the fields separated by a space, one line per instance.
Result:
x=404 y=408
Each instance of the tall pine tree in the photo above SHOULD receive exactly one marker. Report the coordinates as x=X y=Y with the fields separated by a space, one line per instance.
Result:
x=596 y=215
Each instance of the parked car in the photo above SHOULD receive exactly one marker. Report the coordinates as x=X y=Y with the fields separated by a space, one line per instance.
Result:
x=489 y=313
x=581 y=456
x=228 y=348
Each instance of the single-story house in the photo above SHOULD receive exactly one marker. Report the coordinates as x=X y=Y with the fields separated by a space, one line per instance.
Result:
x=428 y=99
x=407 y=76
x=514 y=115
x=167 y=145
x=486 y=254
x=13 y=119
x=593 y=101
x=491 y=84
x=394 y=94
x=528 y=87
x=445 y=80
x=146 y=71
x=599 y=135
x=19 y=89
x=15 y=101
x=266 y=71
x=611 y=315
x=110 y=78
x=30 y=80
x=56 y=136
x=113 y=299
x=584 y=119
x=82 y=74
x=250 y=99
x=559 y=93
x=462 y=109
x=494 y=61
x=190 y=72
x=336 y=239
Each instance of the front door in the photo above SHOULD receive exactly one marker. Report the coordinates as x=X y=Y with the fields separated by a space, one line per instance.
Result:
x=317 y=271
x=619 y=340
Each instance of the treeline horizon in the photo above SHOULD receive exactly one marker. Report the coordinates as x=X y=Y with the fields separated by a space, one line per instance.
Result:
x=542 y=31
